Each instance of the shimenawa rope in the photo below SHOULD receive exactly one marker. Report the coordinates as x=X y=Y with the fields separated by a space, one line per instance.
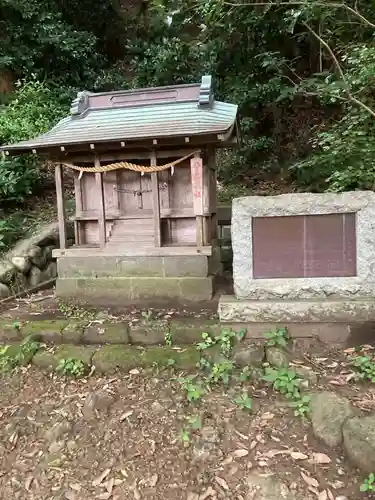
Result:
x=129 y=166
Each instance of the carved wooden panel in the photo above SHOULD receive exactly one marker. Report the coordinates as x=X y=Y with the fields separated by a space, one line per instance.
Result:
x=304 y=246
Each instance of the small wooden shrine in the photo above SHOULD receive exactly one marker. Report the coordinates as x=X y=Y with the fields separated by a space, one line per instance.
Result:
x=143 y=163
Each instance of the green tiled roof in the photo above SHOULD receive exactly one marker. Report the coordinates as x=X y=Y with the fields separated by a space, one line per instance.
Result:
x=153 y=116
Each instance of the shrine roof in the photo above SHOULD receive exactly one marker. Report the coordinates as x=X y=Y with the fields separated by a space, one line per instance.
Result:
x=154 y=113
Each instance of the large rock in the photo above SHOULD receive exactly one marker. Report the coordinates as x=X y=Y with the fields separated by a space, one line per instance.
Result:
x=21 y=263
x=4 y=291
x=277 y=357
x=248 y=355
x=262 y=487
x=359 y=442
x=37 y=257
x=328 y=414
x=7 y=271
x=49 y=272
x=35 y=276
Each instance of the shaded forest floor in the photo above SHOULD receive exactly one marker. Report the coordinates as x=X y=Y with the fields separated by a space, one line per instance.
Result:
x=135 y=436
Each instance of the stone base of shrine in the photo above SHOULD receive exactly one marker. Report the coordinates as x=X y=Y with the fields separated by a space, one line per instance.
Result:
x=120 y=291
x=167 y=277
x=329 y=320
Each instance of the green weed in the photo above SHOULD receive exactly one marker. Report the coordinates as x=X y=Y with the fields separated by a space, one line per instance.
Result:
x=284 y=381
x=301 y=406
x=21 y=356
x=244 y=402
x=365 y=367
x=72 y=367
x=193 y=388
x=277 y=338
x=368 y=484
x=168 y=338
x=221 y=372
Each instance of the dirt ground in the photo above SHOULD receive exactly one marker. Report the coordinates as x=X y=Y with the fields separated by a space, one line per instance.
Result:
x=121 y=438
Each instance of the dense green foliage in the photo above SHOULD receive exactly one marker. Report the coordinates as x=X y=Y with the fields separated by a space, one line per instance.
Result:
x=301 y=72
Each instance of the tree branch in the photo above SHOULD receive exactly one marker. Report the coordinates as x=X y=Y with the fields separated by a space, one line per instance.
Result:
x=334 y=5
x=339 y=69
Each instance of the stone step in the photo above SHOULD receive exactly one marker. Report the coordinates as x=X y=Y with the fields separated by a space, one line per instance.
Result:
x=329 y=320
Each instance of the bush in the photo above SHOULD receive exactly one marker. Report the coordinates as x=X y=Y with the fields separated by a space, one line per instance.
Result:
x=33 y=109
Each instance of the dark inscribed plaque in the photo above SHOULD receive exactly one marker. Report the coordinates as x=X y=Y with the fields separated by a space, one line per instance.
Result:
x=304 y=246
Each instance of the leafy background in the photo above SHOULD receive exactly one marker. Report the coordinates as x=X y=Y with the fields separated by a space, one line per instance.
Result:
x=302 y=73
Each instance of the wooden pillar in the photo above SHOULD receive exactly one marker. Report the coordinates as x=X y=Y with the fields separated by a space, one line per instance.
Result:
x=101 y=215
x=155 y=201
x=60 y=205
x=196 y=166
x=79 y=208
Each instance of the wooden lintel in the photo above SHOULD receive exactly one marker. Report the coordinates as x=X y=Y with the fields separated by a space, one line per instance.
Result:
x=60 y=205
x=123 y=251
x=137 y=155
x=101 y=218
x=155 y=201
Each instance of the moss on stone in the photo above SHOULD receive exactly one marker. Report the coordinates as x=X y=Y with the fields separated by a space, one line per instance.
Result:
x=185 y=359
x=152 y=333
x=111 y=358
x=83 y=353
x=9 y=331
x=190 y=332
x=74 y=331
x=107 y=334
x=47 y=330
x=45 y=360
x=49 y=360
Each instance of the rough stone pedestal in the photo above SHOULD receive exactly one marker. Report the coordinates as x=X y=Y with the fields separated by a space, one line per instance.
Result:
x=331 y=306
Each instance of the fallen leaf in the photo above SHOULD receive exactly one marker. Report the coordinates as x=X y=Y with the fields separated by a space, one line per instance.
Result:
x=192 y=496
x=323 y=495
x=75 y=486
x=337 y=382
x=28 y=482
x=153 y=480
x=313 y=490
x=210 y=492
x=117 y=482
x=126 y=415
x=242 y=436
x=332 y=365
x=274 y=453
x=253 y=444
x=296 y=455
x=330 y=495
x=320 y=458
x=110 y=485
x=267 y=416
x=104 y=496
x=221 y=482
x=262 y=463
x=134 y=371
x=101 y=478
x=311 y=481
x=336 y=485
x=227 y=460
x=242 y=452
x=136 y=493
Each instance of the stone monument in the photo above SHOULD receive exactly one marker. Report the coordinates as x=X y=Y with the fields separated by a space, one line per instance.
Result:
x=305 y=261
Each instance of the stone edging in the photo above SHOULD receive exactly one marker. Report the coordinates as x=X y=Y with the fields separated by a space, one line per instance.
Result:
x=30 y=262
x=64 y=331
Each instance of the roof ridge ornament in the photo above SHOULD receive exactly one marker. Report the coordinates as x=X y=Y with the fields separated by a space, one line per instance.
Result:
x=206 y=94
x=80 y=103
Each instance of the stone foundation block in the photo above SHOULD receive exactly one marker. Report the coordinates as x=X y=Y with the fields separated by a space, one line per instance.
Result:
x=235 y=310
x=120 y=291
